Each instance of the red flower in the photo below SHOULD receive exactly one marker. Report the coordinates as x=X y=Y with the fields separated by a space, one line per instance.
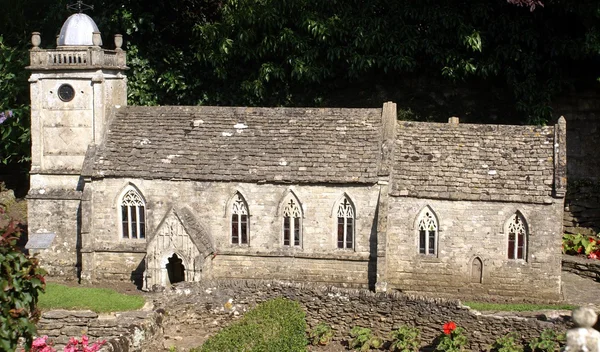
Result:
x=449 y=327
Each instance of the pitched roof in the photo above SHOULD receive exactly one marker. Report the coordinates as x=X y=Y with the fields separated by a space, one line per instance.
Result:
x=473 y=162
x=300 y=145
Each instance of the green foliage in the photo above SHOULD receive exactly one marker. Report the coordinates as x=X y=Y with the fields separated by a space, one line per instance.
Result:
x=21 y=281
x=580 y=244
x=548 y=341
x=321 y=334
x=275 y=325
x=314 y=53
x=405 y=339
x=14 y=116
x=507 y=343
x=363 y=339
x=100 y=300
x=455 y=341
x=516 y=307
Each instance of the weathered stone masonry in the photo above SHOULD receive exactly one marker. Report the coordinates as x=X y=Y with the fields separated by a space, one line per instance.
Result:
x=445 y=208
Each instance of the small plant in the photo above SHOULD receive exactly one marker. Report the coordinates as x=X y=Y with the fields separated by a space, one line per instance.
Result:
x=548 y=341
x=580 y=244
x=405 y=339
x=321 y=334
x=453 y=339
x=363 y=339
x=507 y=343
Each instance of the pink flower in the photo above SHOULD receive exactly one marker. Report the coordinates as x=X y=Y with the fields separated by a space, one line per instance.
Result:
x=40 y=341
x=593 y=255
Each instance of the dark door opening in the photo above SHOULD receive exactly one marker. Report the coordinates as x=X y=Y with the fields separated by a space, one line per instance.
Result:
x=175 y=269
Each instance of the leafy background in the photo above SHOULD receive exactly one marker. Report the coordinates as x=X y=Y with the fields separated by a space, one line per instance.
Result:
x=483 y=60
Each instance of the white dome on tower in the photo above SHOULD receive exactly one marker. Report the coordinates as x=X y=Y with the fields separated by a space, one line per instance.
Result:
x=78 y=30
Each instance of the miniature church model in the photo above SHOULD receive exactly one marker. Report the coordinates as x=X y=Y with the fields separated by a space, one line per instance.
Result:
x=348 y=197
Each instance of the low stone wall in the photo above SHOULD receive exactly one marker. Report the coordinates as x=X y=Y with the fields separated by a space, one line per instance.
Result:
x=587 y=268
x=213 y=305
x=127 y=331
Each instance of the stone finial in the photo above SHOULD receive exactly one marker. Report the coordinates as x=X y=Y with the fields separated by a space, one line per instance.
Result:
x=454 y=120
x=96 y=39
x=584 y=317
x=118 y=41
x=583 y=337
x=36 y=39
x=57 y=40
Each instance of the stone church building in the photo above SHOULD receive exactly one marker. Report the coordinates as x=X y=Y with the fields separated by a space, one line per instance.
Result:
x=350 y=197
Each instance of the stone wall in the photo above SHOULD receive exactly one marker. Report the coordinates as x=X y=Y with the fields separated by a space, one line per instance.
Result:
x=582 y=203
x=582 y=207
x=105 y=251
x=470 y=230
x=127 y=331
x=205 y=305
x=48 y=213
x=587 y=268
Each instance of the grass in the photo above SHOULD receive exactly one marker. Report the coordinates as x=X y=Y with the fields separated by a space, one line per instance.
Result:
x=273 y=326
x=99 y=300
x=516 y=307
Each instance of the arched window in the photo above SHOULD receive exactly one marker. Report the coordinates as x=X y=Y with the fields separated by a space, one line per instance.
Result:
x=517 y=237
x=292 y=223
x=133 y=215
x=345 y=225
x=239 y=220
x=428 y=232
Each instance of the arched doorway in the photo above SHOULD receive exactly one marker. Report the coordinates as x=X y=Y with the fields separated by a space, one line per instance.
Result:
x=477 y=271
x=175 y=269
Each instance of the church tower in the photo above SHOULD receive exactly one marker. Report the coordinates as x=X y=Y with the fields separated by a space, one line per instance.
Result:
x=74 y=87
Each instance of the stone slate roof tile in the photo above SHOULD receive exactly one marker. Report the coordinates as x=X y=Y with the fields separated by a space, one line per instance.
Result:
x=473 y=162
x=303 y=145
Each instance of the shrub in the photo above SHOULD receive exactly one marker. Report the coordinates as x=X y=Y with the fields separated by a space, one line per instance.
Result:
x=405 y=339
x=580 y=244
x=453 y=338
x=363 y=339
x=507 y=343
x=321 y=334
x=275 y=325
x=548 y=341
x=21 y=281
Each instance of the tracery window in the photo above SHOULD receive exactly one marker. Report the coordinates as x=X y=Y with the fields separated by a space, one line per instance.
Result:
x=292 y=223
x=133 y=215
x=517 y=237
x=345 y=225
x=239 y=220
x=428 y=233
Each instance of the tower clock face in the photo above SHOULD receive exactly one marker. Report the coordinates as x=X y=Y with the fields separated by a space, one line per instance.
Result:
x=66 y=92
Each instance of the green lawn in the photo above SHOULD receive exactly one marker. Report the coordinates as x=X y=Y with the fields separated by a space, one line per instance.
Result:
x=100 y=300
x=516 y=307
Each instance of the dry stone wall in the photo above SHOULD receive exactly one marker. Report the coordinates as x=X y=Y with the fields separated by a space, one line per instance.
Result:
x=586 y=268
x=216 y=304
x=127 y=331
x=582 y=207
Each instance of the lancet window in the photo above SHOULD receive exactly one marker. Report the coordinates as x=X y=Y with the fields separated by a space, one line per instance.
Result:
x=133 y=215
x=239 y=220
x=345 y=225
